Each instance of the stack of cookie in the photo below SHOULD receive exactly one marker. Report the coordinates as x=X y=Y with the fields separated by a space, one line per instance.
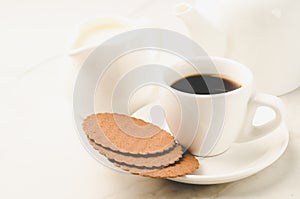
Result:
x=137 y=146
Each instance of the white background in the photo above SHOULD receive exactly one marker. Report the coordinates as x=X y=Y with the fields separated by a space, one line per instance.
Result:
x=40 y=153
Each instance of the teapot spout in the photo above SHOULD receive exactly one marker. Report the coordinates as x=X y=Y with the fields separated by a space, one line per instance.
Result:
x=202 y=30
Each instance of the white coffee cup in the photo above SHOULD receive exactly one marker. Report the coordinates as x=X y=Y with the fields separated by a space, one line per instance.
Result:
x=207 y=124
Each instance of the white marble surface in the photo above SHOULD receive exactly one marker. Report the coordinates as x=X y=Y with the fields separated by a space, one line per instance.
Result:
x=40 y=153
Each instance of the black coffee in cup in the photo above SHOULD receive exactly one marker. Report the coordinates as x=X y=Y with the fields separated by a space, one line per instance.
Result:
x=205 y=84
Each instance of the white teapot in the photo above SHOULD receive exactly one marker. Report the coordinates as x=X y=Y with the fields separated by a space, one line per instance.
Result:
x=264 y=35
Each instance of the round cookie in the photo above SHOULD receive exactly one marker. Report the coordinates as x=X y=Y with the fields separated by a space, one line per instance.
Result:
x=127 y=134
x=149 y=161
x=187 y=165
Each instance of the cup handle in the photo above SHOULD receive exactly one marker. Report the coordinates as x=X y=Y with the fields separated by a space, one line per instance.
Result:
x=251 y=132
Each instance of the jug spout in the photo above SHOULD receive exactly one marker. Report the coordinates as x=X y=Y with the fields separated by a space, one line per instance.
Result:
x=202 y=30
x=93 y=32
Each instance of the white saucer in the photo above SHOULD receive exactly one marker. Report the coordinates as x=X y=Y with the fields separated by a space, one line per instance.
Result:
x=240 y=161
